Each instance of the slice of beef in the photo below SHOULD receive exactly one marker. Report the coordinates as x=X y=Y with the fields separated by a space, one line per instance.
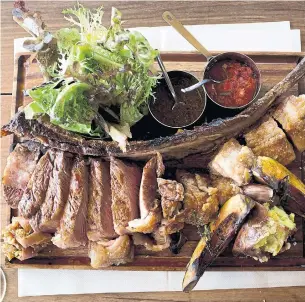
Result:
x=48 y=216
x=150 y=208
x=20 y=165
x=72 y=230
x=114 y=252
x=125 y=184
x=35 y=192
x=100 y=221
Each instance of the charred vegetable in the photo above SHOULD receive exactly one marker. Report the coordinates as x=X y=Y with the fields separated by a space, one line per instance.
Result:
x=222 y=231
x=261 y=193
x=265 y=233
x=291 y=189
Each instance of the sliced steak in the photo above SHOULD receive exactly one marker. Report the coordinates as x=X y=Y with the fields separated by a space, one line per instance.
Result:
x=48 y=216
x=20 y=165
x=35 y=192
x=125 y=184
x=72 y=229
x=100 y=221
x=150 y=208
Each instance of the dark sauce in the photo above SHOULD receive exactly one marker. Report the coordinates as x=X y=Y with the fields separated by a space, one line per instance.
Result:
x=238 y=86
x=182 y=114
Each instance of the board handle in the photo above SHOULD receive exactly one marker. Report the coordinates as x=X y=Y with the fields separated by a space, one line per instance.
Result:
x=176 y=24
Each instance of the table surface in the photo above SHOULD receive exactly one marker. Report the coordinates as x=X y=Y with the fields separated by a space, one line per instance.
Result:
x=142 y=13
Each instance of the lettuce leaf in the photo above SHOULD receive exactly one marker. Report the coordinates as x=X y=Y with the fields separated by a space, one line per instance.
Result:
x=72 y=110
x=111 y=68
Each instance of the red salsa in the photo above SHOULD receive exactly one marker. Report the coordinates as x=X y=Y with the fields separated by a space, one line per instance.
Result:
x=238 y=85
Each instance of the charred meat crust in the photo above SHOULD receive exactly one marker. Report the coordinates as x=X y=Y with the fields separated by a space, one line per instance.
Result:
x=201 y=139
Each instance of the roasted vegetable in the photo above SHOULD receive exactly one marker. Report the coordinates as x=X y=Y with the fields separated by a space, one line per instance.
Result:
x=290 y=188
x=222 y=231
x=261 y=193
x=265 y=233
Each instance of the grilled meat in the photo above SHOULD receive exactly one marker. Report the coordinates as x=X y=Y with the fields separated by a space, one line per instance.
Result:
x=269 y=140
x=72 y=229
x=154 y=243
x=233 y=161
x=125 y=184
x=291 y=115
x=200 y=199
x=17 y=173
x=100 y=221
x=150 y=209
x=19 y=240
x=226 y=188
x=114 y=252
x=202 y=139
x=35 y=192
x=48 y=217
x=172 y=195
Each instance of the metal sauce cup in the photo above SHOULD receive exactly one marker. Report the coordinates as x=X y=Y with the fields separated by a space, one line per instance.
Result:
x=241 y=58
x=178 y=26
x=193 y=80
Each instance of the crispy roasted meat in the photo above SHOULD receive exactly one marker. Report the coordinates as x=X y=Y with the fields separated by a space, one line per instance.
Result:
x=172 y=195
x=35 y=192
x=19 y=240
x=100 y=221
x=233 y=161
x=200 y=199
x=48 y=217
x=114 y=252
x=125 y=184
x=150 y=208
x=268 y=139
x=72 y=229
x=17 y=173
x=291 y=115
x=226 y=188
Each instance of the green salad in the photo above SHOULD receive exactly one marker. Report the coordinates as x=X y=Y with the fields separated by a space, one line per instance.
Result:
x=98 y=79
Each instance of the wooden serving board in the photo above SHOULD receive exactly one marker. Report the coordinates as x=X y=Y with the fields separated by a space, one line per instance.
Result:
x=274 y=67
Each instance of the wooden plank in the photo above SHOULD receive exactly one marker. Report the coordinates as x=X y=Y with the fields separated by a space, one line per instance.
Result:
x=143 y=13
x=28 y=75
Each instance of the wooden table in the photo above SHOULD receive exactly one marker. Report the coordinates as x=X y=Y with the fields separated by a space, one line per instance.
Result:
x=149 y=14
